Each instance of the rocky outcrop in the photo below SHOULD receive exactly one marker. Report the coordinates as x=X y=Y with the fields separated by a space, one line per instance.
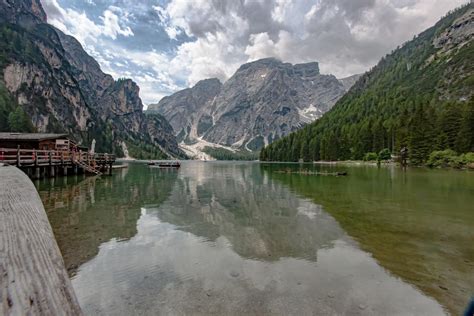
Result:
x=263 y=101
x=460 y=32
x=62 y=89
x=348 y=82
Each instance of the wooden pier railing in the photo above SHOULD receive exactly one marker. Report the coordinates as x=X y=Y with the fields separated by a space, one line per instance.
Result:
x=32 y=158
x=33 y=279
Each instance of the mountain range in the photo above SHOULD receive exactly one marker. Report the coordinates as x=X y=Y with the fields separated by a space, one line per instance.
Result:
x=419 y=96
x=263 y=101
x=48 y=83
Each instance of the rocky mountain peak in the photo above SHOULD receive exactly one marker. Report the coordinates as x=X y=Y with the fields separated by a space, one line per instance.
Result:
x=208 y=83
x=306 y=69
x=271 y=63
x=264 y=62
x=263 y=101
x=210 y=86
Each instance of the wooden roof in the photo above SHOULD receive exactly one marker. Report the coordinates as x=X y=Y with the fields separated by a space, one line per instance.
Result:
x=31 y=136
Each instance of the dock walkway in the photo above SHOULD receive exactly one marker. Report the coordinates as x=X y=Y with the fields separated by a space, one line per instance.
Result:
x=50 y=163
x=33 y=279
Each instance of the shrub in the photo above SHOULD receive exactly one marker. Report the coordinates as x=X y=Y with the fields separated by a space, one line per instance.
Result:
x=444 y=158
x=385 y=154
x=467 y=160
x=370 y=156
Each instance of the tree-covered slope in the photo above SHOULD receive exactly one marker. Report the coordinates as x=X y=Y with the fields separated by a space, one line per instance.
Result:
x=419 y=96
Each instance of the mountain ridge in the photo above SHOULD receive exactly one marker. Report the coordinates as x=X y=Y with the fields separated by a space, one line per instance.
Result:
x=55 y=86
x=264 y=100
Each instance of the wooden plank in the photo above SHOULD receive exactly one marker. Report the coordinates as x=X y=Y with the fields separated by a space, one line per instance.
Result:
x=33 y=279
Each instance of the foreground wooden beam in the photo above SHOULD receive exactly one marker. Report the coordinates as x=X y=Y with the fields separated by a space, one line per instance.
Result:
x=33 y=279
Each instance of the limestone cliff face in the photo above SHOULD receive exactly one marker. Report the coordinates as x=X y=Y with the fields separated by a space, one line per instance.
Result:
x=62 y=89
x=187 y=110
x=263 y=101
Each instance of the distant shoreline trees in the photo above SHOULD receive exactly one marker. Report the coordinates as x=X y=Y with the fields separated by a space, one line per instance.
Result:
x=423 y=129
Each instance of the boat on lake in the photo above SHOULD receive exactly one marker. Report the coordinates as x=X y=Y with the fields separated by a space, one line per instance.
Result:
x=165 y=164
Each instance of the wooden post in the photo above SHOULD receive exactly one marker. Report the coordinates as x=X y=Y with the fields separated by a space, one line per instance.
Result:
x=18 y=156
x=51 y=167
x=52 y=172
x=37 y=173
x=33 y=279
x=35 y=157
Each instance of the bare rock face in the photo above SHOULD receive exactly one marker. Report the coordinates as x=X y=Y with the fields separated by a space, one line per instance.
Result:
x=263 y=101
x=459 y=33
x=62 y=89
x=348 y=82
x=185 y=108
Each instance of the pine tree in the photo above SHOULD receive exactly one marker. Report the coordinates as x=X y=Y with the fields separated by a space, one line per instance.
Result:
x=18 y=121
x=449 y=125
x=419 y=141
x=465 y=138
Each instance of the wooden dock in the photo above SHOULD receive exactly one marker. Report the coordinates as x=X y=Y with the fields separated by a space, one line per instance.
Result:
x=33 y=279
x=39 y=164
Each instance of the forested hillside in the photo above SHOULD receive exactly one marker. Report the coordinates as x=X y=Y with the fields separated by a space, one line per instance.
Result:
x=419 y=96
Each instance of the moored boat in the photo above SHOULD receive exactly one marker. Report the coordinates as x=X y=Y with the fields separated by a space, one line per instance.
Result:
x=165 y=164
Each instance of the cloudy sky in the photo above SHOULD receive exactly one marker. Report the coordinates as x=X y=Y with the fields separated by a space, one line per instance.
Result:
x=167 y=45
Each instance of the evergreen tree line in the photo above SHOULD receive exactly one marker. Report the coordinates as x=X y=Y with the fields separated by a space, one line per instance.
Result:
x=422 y=128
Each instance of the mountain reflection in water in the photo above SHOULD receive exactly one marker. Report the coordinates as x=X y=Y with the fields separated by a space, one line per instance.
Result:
x=218 y=238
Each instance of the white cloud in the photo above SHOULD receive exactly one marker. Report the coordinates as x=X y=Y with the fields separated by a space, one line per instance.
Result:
x=111 y=26
x=260 y=46
x=77 y=23
x=344 y=36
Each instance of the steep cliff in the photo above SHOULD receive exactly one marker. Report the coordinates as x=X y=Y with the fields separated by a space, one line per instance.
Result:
x=263 y=101
x=187 y=110
x=60 y=88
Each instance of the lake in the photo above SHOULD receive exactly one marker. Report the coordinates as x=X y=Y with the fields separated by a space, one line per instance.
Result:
x=229 y=238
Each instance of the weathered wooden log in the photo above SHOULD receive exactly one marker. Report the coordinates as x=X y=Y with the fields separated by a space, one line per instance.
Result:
x=33 y=279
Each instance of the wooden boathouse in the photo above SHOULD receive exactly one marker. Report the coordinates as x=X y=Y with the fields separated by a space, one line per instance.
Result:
x=42 y=155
